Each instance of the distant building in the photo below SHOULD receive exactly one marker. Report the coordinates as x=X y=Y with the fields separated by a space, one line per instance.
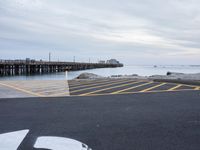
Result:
x=113 y=61
x=102 y=62
x=28 y=59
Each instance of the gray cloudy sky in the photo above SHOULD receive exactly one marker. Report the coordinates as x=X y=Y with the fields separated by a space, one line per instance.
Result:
x=133 y=31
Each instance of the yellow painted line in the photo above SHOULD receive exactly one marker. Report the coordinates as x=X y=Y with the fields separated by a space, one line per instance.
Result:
x=21 y=90
x=182 y=84
x=31 y=83
x=38 y=89
x=153 y=87
x=122 y=85
x=61 y=87
x=137 y=92
x=100 y=83
x=55 y=85
x=131 y=88
x=86 y=82
x=121 y=82
x=82 y=83
x=175 y=87
x=197 y=88
x=189 y=85
x=34 y=86
x=53 y=90
x=98 y=86
x=159 y=91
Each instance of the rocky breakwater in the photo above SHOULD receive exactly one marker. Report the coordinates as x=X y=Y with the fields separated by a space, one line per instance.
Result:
x=178 y=78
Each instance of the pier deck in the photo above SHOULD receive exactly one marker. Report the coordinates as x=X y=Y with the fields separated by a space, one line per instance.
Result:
x=21 y=67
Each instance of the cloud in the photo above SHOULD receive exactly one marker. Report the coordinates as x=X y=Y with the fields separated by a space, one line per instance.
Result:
x=94 y=28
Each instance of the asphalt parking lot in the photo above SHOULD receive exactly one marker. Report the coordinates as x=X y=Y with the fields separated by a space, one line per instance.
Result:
x=60 y=88
x=106 y=114
x=35 y=88
x=123 y=86
x=141 y=121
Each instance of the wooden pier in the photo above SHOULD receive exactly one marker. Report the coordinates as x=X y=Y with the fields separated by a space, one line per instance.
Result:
x=28 y=67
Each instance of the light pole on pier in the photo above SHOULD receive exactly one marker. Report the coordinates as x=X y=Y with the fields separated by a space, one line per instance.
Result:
x=49 y=56
x=74 y=59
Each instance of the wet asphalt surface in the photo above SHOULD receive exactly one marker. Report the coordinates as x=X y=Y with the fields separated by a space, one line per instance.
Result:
x=144 y=121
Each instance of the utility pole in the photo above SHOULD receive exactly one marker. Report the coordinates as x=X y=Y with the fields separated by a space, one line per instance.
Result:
x=49 y=56
x=89 y=60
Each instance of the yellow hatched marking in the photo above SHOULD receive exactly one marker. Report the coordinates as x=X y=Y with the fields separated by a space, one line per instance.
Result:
x=41 y=90
x=60 y=87
x=131 y=88
x=189 y=85
x=97 y=86
x=192 y=86
x=52 y=90
x=21 y=90
x=153 y=87
x=28 y=84
x=37 y=88
x=113 y=83
x=175 y=87
x=93 y=83
x=46 y=88
x=87 y=82
x=110 y=88
x=136 y=92
x=100 y=83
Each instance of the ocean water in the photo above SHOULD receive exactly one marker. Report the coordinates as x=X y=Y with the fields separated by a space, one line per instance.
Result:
x=126 y=70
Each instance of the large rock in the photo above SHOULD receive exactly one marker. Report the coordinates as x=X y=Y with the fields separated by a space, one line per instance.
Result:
x=177 y=76
x=174 y=73
x=88 y=76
